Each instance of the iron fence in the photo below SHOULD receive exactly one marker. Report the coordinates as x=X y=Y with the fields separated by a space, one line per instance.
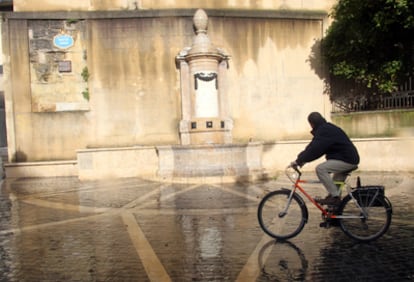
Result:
x=403 y=98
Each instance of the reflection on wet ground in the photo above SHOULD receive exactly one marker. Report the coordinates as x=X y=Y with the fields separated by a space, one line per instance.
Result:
x=61 y=229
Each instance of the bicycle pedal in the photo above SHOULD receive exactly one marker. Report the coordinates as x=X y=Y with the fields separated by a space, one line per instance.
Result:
x=324 y=224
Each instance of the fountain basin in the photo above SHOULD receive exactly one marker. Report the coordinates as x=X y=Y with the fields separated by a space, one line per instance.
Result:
x=238 y=160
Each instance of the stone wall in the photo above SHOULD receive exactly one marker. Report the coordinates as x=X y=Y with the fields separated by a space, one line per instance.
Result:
x=377 y=154
x=133 y=84
x=58 y=70
x=391 y=123
x=100 y=108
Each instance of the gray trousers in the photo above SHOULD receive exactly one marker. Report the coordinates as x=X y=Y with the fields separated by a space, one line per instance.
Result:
x=337 y=168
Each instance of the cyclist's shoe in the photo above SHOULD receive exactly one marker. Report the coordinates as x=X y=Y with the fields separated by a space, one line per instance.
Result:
x=334 y=222
x=319 y=199
x=329 y=200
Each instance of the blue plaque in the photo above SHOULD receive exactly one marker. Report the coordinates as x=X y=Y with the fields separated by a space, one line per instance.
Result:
x=63 y=41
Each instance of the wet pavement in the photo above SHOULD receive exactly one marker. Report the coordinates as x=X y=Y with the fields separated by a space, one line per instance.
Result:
x=61 y=229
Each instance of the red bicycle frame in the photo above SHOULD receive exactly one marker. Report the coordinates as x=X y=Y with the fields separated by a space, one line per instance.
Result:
x=324 y=211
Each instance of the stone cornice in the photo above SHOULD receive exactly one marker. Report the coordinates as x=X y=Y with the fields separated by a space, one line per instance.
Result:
x=281 y=14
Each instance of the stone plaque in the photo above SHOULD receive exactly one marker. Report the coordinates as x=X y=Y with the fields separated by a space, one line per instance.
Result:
x=206 y=100
x=65 y=66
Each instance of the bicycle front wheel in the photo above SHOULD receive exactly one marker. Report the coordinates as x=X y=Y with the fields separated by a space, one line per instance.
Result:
x=367 y=222
x=280 y=218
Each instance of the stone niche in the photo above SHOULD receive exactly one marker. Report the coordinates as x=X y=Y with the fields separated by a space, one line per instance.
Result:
x=58 y=65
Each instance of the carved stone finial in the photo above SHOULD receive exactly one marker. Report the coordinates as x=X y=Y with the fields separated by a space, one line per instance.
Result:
x=201 y=42
x=200 y=21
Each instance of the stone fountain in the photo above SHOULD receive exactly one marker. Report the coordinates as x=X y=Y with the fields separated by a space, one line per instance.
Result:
x=206 y=128
x=204 y=108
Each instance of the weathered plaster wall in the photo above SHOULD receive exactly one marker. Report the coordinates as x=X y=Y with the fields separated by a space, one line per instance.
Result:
x=34 y=135
x=134 y=86
x=272 y=83
x=132 y=69
x=238 y=4
x=102 y=5
x=56 y=74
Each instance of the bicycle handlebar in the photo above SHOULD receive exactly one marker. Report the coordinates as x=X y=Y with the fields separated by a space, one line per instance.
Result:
x=292 y=177
x=296 y=168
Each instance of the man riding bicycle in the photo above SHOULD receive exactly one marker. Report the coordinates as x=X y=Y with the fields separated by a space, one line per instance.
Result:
x=341 y=155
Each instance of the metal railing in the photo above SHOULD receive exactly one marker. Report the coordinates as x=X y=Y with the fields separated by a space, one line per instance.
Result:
x=403 y=98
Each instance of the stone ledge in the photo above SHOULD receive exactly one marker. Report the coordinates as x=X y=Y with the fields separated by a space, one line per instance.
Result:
x=97 y=163
x=41 y=169
x=217 y=160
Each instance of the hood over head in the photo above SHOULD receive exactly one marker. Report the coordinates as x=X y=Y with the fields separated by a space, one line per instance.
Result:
x=316 y=119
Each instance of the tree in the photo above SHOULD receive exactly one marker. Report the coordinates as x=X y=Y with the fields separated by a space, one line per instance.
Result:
x=370 y=44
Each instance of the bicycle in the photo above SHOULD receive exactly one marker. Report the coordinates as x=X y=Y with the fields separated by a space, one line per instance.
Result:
x=364 y=214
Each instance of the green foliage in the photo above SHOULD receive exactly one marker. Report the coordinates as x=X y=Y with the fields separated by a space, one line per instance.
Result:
x=85 y=93
x=85 y=74
x=371 y=43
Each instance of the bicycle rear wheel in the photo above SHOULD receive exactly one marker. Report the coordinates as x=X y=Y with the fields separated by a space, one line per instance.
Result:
x=362 y=228
x=279 y=222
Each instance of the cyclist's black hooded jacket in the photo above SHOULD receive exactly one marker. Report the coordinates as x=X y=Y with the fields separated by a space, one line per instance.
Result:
x=330 y=140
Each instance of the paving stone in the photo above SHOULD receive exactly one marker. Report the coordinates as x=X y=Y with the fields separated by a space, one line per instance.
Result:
x=62 y=229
